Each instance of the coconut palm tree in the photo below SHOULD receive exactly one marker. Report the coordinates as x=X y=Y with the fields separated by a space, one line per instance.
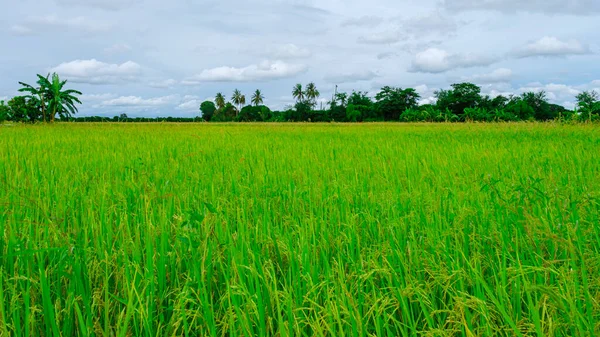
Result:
x=238 y=99
x=220 y=101
x=37 y=94
x=312 y=93
x=298 y=93
x=242 y=101
x=257 y=98
x=61 y=102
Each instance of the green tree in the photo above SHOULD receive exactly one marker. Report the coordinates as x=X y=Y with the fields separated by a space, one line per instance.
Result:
x=301 y=112
x=225 y=114
x=60 y=101
x=37 y=93
x=238 y=99
x=254 y=113
x=312 y=94
x=360 y=98
x=498 y=102
x=359 y=107
x=519 y=108
x=207 y=109
x=298 y=93
x=51 y=97
x=392 y=102
x=220 y=100
x=341 y=98
x=266 y=114
x=539 y=103
x=257 y=98
x=24 y=109
x=588 y=103
x=4 y=112
x=354 y=113
x=460 y=97
x=337 y=107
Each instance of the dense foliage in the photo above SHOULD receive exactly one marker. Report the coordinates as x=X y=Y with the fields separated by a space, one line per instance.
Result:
x=300 y=230
x=42 y=102
x=462 y=102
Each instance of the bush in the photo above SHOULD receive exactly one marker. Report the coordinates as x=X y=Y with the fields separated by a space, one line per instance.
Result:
x=4 y=112
x=24 y=110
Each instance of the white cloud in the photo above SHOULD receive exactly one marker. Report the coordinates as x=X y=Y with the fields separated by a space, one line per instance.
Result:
x=556 y=93
x=118 y=48
x=96 y=72
x=363 y=21
x=96 y=97
x=264 y=71
x=434 y=60
x=191 y=105
x=136 y=101
x=427 y=100
x=561 y=89
x=163 y=84
x=569 y=105
x=497 y=76
x=290 y=51
x=426 y=93
x=581 y=7
x=42 y=24
x=382 y=37
x=363 y=75
x=551 y=46
x=422 y=89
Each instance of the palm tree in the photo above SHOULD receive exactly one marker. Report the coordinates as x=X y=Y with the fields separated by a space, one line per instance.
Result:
x=257 y=98
x=37 y=94
x=312 y=93
x=238 y=99
x=60 y=102
x=342 y=97
x=220 y=100
x=298 y=93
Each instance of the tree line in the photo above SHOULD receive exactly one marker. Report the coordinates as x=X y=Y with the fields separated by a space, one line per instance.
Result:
x=461 y=102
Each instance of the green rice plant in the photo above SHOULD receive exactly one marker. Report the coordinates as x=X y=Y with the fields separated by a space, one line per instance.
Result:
x=300 y=230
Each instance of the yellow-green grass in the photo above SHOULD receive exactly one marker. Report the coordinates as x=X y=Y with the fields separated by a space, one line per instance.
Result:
x=300 y=230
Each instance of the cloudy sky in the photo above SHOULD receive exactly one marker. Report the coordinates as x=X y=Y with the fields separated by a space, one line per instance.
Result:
x=151 y=57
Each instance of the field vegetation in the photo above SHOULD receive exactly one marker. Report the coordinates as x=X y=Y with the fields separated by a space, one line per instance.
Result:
x=300 y=229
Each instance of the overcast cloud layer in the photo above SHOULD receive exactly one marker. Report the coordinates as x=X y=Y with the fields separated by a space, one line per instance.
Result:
x=150 y=57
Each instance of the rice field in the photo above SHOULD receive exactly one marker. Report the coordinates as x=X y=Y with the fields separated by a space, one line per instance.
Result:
x=300 y=230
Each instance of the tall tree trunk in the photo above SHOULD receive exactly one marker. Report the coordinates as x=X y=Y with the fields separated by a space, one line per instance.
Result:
x=43 y=108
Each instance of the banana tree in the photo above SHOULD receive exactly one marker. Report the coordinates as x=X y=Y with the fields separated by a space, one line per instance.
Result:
x=61 y=102
x=51 y=97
